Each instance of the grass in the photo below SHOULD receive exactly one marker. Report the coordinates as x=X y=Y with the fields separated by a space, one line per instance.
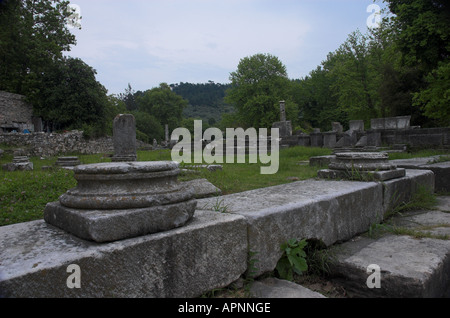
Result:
x=24 y=194
x=444 y=155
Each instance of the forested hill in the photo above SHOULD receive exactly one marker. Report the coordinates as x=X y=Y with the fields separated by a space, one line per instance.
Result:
x=206 y=100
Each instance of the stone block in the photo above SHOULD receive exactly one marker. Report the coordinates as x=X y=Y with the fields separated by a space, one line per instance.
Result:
x=321 y=160
x=316 y=139
x=410 y=267
x=209 y=252
x=330 y=211
x=329 y=139
x=399 y=191
x=356 y=125
x=285 y=128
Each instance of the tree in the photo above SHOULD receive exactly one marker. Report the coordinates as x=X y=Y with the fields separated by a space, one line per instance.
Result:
x=257 y=86
x=166 y=106
x=33 y=34
x=423 y=38
x=69 y=96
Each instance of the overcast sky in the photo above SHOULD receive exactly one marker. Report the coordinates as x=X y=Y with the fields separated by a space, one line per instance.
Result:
x=147 y=42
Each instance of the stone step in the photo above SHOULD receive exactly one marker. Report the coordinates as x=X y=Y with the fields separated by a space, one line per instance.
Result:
x=277 y=288
x=413 y=265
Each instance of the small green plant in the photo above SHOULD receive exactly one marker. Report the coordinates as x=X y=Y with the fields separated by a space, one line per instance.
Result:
x=220 y=207
x=293 y=259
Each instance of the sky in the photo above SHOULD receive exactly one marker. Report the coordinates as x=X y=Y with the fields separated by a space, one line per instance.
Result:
x=147 y=42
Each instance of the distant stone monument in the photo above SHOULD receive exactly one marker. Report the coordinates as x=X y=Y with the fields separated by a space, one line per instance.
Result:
x=20 y=162
x=124 y=138
x=119 y=200
x=284 y=126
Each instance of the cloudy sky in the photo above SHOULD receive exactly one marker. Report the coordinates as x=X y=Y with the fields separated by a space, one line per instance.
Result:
x=147 y=42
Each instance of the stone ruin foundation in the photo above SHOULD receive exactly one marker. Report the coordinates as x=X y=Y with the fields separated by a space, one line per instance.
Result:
x=363 y=166
x=115 y=201
x=68 y=162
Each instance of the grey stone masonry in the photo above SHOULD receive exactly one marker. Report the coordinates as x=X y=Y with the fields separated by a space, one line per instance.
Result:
x=124 y=138
x=114 y=201
x=365 y=165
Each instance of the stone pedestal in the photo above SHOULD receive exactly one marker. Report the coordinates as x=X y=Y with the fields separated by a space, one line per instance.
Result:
x=364 y=166
x=68 y=162
x=21 y=163
x=115 y=201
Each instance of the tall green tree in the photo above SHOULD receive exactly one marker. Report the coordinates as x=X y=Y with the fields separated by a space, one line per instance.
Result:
x=33 y=34
x=257 y=86
x=423 y=38
x=163 y=104
x=69 y=96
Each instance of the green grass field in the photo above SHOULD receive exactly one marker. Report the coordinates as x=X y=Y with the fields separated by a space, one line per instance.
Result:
x=24 y=194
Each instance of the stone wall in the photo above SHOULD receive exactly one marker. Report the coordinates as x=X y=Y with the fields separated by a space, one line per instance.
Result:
x=15 y=113
x=44 y=144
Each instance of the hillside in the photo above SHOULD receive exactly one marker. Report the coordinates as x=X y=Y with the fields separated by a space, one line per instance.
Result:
x=206 y=100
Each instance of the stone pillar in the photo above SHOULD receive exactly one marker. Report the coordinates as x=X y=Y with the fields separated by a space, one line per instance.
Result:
x=119 y=200
x=329 y=139
x=282 y=111
x=124 y=138
x=167 y=134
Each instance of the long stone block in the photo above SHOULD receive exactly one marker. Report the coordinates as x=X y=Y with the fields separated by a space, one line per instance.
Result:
x=441 y=170
x=209 y=252
x=401 y=190
x=330 y=211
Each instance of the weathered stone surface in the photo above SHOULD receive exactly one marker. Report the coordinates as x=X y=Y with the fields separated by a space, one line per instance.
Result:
x=203 y=188
x=356 y=125
x=329 y=139
x=124 y=138
x=277 y=288
x=209 y=252
x=362 y=161
x=321 y=160
x=409 y=267
x=401 y=122
x=114 y=201
x=330 y=211
x=68 y=161
x=399 y=191
x=441 y=170
x=285 y=128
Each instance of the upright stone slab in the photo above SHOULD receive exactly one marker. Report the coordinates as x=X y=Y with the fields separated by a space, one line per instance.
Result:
x=115 y=201
x=124 y=139
x=356 y=125
x=329 y=139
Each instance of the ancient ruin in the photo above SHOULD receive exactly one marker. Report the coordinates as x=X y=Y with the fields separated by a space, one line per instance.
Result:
x=124 y=138
x=114 y=201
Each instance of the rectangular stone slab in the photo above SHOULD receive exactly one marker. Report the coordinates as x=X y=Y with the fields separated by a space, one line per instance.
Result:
x=209 y=252
x=330 y=211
